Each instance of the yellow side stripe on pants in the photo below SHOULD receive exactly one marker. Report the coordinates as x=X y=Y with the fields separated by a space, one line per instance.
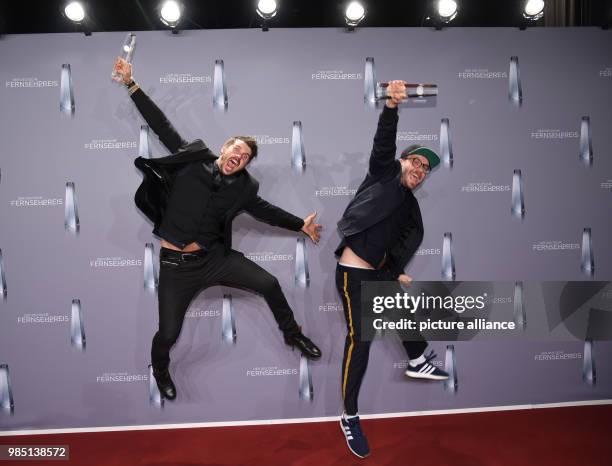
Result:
x=351 y=333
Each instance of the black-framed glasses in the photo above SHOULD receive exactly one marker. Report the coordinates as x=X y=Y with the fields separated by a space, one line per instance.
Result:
x=418 y=163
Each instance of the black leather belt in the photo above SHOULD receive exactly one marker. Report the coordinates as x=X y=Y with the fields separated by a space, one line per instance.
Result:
x=183 y=256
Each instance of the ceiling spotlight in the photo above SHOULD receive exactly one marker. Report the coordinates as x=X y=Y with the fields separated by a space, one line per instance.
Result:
x=74 y=11
x=170 y=13
x=267 y=8
x=534 y=9
x=447 y=10
x=354 y=14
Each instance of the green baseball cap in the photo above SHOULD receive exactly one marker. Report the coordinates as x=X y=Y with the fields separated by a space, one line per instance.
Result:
x=430 y=155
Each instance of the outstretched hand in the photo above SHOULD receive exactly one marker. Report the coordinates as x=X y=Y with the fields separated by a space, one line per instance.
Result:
x=311 y=228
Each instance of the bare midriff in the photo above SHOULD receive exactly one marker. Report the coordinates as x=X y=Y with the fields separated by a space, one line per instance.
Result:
x=189 y=248
x=349 y=257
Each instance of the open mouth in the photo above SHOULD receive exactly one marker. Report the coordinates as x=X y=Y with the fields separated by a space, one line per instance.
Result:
x=232 y=164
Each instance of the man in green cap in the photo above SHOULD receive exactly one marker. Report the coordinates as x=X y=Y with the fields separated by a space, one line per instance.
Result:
x=381 y=230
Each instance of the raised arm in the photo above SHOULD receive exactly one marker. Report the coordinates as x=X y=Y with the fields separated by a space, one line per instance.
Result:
x=273 y=215
x=154 y=117
x=384 y=148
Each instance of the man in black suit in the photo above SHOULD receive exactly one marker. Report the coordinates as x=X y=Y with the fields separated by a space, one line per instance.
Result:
x=381 y=230
x=191 y=197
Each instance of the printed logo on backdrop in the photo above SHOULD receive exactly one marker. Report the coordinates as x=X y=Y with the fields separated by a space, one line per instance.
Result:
x=115 y=262
x=200 y=312
x=269 y=257
x=20 y=83
x=554 y=134
x=481 y=73
x=42 y=318
x=335 y=75
x=330 y=307
x=546 y=246
x=334 y=191
x=112 y=144
x=270 y=371
x=184 y=78
x=485 y=187
x=264 y=139
x=492 y=299
x=606 y=73
x=428 y=252
x=415 y=136
x=558 y=355
x=36 y=201
x=121 y=377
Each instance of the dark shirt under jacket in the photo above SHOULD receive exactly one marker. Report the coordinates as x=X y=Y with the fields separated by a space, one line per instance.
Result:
x=198 y=205
x=373 y=244
x=383 y=220
x=167 y=193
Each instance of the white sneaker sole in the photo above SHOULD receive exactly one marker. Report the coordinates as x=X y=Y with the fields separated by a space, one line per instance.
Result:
x=418 y=375
x=349 y=445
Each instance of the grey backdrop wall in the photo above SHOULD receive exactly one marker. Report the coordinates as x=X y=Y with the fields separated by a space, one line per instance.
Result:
x=316 y=77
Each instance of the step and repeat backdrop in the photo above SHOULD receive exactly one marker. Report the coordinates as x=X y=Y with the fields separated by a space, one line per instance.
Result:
x=524 y=193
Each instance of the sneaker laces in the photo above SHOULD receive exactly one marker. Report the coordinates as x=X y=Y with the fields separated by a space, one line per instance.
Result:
x=355 y=427
x=429 y=357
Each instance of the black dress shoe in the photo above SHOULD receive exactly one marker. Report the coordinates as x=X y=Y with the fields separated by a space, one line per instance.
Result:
x=304 y=344
x=165 y=384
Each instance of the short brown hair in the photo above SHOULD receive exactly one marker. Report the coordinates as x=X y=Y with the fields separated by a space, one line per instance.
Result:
x=248 y=140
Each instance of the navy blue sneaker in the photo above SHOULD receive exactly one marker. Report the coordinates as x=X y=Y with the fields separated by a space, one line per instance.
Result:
x=355 y=439
x=426 y=370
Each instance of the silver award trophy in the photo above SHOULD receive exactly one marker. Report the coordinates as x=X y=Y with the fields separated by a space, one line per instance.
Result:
x=7 y=405
x=412 y=90
x=306 y=390
x=587 y=263
x=151 y=279
x=589 y=375
x=77 y=327
x=448 y=259
x=155 y=398
x=127 y=52
x=515 y=91
x=298 y=156
x=144 y=148
x=586 y=147
x=66 y=91
x=450 y=366
x=71 y=213
x=3 y=291
x=369 y=82
x=518 y=202
x=519 y=306
x=302 y=276
x=219 y=87
x=446 y=148
x=228 y=323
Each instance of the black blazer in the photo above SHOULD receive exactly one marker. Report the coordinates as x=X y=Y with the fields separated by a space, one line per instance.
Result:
x=381 y=193
x=159 y=174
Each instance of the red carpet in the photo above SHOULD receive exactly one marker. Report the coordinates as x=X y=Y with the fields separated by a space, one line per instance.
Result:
x=553 y=436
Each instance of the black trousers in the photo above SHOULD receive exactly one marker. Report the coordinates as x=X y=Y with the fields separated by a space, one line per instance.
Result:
x=180 y=281
x=357 y=352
